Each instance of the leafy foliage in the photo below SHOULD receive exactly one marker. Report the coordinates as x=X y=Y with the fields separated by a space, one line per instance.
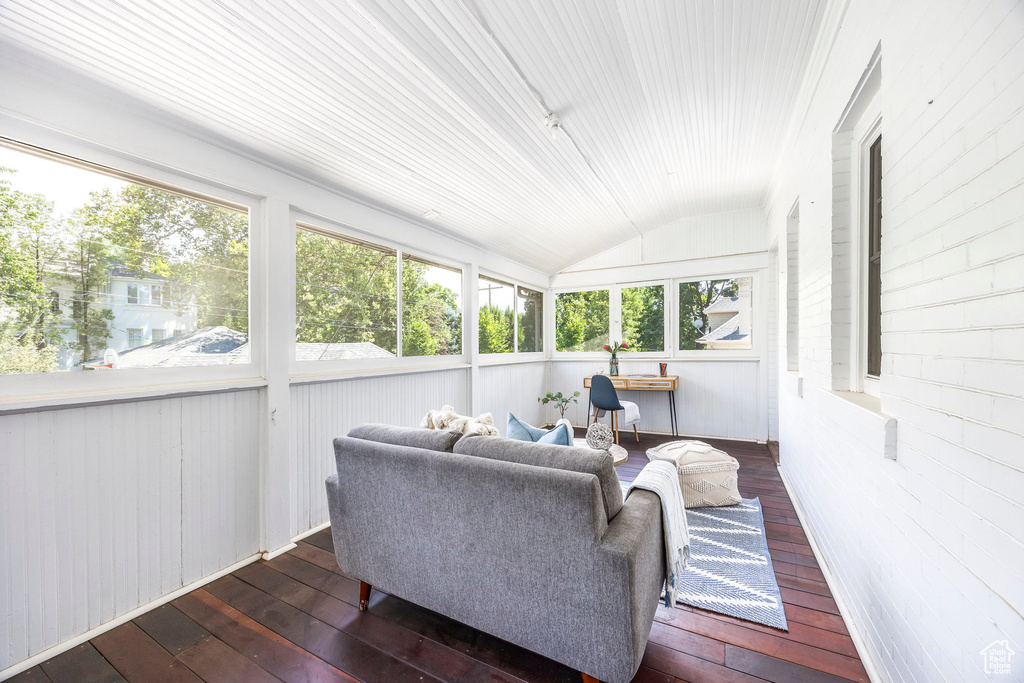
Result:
x=531 y=320
x=581 y=320
x=561 y=402
x=643 y=318
x=496 y=329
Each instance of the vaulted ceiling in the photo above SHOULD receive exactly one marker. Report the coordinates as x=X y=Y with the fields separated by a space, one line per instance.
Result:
x=668 y=108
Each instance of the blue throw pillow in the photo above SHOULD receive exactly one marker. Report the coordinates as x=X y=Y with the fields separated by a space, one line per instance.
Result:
x=521 y=431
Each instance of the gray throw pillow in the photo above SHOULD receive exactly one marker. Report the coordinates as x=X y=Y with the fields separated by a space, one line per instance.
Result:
x=585 y=460
x=417 y=437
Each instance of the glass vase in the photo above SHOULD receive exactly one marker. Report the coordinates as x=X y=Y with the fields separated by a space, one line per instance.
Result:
x=613 y=366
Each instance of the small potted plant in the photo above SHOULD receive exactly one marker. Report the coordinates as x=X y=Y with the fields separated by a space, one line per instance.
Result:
x=613 y=364
x=561 y=402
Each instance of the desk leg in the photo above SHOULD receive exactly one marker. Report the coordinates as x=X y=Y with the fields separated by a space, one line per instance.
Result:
x=673 y=417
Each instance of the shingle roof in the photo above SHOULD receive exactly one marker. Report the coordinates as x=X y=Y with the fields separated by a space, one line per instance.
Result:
x=727 y=331
x=724 y=304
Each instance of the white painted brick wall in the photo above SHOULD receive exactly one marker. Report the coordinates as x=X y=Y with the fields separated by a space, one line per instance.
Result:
x=928 y=551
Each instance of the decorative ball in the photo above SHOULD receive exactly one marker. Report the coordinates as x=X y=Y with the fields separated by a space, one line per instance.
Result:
x=600 y=436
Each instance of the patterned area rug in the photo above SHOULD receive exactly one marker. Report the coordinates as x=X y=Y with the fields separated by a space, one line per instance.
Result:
x=730 y=570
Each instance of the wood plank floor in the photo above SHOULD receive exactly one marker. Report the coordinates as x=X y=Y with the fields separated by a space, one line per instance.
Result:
x=294 y=618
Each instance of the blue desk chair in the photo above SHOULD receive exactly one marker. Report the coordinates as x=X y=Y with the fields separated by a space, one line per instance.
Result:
x=604 y=398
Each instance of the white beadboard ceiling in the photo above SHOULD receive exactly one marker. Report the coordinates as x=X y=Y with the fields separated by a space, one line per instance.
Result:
x=670 y=109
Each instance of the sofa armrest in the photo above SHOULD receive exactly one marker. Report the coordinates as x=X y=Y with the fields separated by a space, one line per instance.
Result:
x=634 y=547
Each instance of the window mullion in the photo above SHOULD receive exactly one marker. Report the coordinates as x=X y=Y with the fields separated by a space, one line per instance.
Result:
x=399 y=313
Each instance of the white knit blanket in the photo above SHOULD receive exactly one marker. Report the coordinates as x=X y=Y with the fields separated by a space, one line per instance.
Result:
x=661 y=477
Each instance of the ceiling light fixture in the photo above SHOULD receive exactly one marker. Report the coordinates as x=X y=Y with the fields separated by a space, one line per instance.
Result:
x=430 y=214
x=553 y=124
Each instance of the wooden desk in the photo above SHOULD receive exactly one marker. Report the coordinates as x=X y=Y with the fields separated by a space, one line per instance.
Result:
x=668 y=383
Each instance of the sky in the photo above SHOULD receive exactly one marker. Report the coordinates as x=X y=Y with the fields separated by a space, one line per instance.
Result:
x=68 y=187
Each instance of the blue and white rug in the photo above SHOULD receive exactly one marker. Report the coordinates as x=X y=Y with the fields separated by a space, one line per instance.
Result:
x=730 y=570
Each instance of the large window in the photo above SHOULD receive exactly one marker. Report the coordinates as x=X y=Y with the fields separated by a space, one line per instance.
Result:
x=581 y=321
x=510 y=319
x=715 y=315
x=643 y=318
x=497 y=316
x=347 y=295
x=94 y=263
x=431 y=308
x=346 y=298
x=530 y=320
x=874 y=258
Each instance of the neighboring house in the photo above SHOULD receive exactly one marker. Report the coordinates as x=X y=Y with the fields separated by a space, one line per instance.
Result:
x=729 y=320
x=143 y=309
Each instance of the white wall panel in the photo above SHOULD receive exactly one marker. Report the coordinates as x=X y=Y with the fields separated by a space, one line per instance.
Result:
x=323 y=411
x=714 y=399
x=695 y=237
x=106 y=508
x=513 y=388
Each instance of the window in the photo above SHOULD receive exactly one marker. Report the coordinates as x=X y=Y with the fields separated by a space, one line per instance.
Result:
x=510 y=319
x=135 y=337
x=497 y=325
x=874 y=260
x=643 y=318
x=793 y=290
x=529 y=320
x=347 y=298
x=431 y=308
x=715 y=315
x=159 y=334
x=101 y=238
x=581 y=321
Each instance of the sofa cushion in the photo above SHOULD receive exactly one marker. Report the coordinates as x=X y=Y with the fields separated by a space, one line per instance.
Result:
x=523 y=431
x=586 y=460
x=430 y=439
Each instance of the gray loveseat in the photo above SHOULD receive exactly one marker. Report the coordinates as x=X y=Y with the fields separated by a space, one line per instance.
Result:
x=528 y=542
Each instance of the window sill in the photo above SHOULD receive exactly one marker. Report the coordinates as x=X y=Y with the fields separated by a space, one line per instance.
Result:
x=321 y=377
x=74 y=399
x=863 y=415
x=489 y=359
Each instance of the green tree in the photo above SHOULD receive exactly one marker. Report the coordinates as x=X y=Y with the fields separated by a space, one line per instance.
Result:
x=531 y=321
x=345 y=292
x=694 y=298
x=496 y=329
x=417 y=339
x=432 y=304
x=643 y=318
x=581 y=320
x=88 y=272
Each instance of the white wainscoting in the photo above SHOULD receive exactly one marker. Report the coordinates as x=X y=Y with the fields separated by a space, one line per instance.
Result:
x=322 y=411
x=714 y=399
x=513 y=388
x=106 y=508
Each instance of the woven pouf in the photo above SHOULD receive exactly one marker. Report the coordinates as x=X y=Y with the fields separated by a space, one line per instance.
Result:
x=707 y=476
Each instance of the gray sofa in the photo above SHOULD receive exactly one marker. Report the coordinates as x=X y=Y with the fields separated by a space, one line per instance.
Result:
x=528 y=542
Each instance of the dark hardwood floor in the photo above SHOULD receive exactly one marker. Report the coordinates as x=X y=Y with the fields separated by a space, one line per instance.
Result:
x=295 y=618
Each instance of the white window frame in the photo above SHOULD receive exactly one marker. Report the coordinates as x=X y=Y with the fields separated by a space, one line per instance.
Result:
x=321 y=369
x=72 y=387
x=516 y=355
x=756 y=310
x=865 y=133
x=141 y=337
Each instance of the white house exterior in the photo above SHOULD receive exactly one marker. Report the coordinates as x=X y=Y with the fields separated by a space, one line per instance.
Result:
x=143 y=309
